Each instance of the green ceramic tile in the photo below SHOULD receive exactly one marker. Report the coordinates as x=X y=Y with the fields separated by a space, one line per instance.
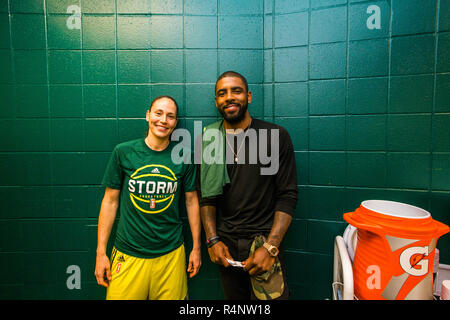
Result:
x=27 y=6
x=327 y=97
x=268 y=66
x=409 y=133
x=441 y=133
x=328 y=25
x=133 y=32
x=67 y=135
x=408 y=170
x=98 y=6
x=166 y=7
x=412 y=54
x=327 y=133
x=200 y=7
x=166 y=32
x=366 y=132
x=268 y=100
x=101 y=135
x=439 y=204
x=442 y=93
x=28 y=31
x=133 y=6
x=70 y=201
x=302 y=163
x=415 y=16
x=64 y=66
x=99 y=32
x=96 y=162
x=325 y=3
x=133 y=101
x=68 y=168
x=13 y=266
x=70 y=235
x=444 y=15
x=230 y=7
x=443 y=64
x=130 y=129
x=367 y=96
x=268 y=31
x=4 y=32
x=59 y=35
x=200 y=100
x=364 y=25
x=200 y=32
x=25 y=165
x=297 y=129
x=30 y=66
x=321 y=235
x=240 y=32
x=366 y=169
x=201 y=66
x=327 y=168
x=256 y=108
x=287 y=6
x=133 y=66
x=369 y=58
x=167 y=66
x=6 y=65
x=411 y=94
x=32 y=101
x=249 y=63
x=66 y=101
x=326 y=203
x=327 y=61
x=99 y=101
x=36 y=202
x=291 y=99
x=99 y=66
x=291 y=30
x=32 y=135
x=62 y=6
x=295 y=238
x=7 y=101
x=291 y=64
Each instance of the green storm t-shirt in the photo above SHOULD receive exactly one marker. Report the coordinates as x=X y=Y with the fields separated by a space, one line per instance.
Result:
x=151 y=185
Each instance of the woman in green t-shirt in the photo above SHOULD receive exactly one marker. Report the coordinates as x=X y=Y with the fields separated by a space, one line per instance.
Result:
x=144 y=187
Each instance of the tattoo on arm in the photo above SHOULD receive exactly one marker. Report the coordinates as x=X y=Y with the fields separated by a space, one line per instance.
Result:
x=208 y=216
x=280 y=225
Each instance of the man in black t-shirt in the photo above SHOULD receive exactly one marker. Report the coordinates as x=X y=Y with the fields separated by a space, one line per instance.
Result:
x=254 y=194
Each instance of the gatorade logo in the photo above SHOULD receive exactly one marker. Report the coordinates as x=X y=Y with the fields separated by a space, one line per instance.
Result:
x=413 y=262
x=152 y=188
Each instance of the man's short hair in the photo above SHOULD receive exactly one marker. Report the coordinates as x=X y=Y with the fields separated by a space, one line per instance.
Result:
x=232 y=74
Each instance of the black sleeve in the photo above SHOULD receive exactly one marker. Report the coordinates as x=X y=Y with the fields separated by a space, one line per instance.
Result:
x=286 y=178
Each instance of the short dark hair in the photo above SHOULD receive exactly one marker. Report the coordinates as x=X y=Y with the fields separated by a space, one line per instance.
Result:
x=232 y=74
x=164 y=97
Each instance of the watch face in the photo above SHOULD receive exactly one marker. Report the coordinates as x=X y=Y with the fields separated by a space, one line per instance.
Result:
x=273 y=251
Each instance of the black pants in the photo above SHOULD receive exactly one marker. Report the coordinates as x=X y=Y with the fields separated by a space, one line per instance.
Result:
x=235 y=281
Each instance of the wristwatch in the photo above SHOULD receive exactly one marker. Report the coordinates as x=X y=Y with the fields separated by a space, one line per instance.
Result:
x=273 y=251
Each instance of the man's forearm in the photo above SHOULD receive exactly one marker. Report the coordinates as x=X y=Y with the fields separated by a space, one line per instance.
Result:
x=208 y=216
x=280 y=225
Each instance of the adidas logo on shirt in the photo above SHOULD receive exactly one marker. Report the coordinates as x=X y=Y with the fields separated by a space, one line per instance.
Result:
x=155 y=170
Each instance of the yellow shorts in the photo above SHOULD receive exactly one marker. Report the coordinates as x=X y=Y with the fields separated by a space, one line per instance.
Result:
x=161 y=278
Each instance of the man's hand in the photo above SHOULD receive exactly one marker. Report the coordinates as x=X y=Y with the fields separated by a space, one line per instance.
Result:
x=102 y=267
x=259 y=262
x=219 y=254
x=195 y=262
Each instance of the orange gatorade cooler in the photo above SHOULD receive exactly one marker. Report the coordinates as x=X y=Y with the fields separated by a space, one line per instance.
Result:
x=395 y=251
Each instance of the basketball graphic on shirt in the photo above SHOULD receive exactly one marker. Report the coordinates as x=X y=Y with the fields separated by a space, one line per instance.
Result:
x=152 y=188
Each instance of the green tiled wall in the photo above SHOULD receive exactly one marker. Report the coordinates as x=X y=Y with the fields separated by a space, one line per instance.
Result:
x=367 y=110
